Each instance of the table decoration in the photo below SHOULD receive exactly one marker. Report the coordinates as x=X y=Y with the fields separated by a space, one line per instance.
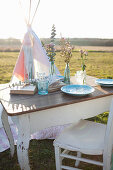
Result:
x=56 y=86
x=42 y=83
x=77 y=90
x=81 y=75
x=105 y=82
x=23 y=89
x=42 y=87
x=83 y=58
x=66 y=52
x=51 y=51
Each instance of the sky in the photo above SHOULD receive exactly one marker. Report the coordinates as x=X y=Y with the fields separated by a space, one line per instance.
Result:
x=72 y=18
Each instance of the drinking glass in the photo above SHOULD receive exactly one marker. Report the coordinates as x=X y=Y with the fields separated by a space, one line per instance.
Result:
x=80 y=77
x=42 y=85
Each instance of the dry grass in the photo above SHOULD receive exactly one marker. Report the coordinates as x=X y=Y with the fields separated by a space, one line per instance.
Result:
x=95 y=48
x=91 y=48
x=99 y=64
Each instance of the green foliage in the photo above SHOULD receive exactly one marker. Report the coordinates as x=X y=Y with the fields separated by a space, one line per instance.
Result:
x=83 y=58
x=53 y=33
x=51 y=52
x=51 y=47
x=100 y=118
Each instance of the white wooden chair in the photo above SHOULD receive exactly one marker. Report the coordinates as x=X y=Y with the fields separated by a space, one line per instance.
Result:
x=85 y=137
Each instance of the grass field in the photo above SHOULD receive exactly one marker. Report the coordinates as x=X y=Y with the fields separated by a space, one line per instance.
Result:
x=99 y=64
x=41 y=153
x=7 y=63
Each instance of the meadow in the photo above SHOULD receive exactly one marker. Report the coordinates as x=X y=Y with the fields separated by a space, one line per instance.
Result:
x=99 y=64
x=41 y=153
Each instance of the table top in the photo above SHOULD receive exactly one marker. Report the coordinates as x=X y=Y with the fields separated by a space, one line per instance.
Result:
x=16 y=104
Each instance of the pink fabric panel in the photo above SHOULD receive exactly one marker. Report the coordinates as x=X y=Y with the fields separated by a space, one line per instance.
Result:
x=19 y=68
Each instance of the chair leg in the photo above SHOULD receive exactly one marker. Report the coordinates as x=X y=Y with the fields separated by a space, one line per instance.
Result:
x=58 y=158
x=79 y=156
x=107 y=162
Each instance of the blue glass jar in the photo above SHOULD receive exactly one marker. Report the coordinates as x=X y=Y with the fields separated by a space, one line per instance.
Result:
x=43 y=87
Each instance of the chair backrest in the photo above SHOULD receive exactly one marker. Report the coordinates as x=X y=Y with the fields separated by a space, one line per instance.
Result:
x=108 y=142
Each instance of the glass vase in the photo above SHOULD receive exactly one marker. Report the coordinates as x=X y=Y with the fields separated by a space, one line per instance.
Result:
x=67 y=74
x=52 y=74
x=81 y=77
x=52 y=68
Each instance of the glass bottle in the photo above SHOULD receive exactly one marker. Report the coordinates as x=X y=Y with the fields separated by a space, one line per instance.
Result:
x=67 y=74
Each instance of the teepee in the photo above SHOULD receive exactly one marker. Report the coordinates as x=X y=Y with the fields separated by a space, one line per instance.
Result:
x=32 y=58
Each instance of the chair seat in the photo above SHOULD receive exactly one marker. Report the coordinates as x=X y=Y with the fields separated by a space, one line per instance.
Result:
x=84 y=136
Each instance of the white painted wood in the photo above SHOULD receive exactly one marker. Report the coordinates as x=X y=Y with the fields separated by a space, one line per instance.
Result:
x=58 y=160
x=88 y=138
x=4 y=118
x=69 y=168
x=82 y=137
x=23 y=125
x=82 y=159
x=9 y=118
x=32 y=122
x=68 y=113
x=29 y=89
x=77 y=161
x=108 y=140
x=65 y=152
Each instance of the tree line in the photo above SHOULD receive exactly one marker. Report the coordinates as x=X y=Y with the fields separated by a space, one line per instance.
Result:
x=11 y=42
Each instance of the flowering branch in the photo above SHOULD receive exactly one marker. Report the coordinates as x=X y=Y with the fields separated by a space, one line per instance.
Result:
x=66 y=50
x=51 y=52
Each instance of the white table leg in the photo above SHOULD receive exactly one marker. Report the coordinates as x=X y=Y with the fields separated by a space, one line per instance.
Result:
x=79 y=156
x=23 y=125
x=4 y=118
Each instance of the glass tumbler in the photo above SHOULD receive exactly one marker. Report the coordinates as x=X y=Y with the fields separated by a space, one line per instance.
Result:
x=81 y=77
x=43 y=87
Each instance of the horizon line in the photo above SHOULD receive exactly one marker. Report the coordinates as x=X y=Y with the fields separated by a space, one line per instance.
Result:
x=58 y=38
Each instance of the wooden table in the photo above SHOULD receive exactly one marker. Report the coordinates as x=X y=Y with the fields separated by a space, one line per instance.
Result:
x=33 y=113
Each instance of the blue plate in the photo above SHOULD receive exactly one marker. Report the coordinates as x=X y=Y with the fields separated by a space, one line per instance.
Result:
x=105 y=82
x=77 y=90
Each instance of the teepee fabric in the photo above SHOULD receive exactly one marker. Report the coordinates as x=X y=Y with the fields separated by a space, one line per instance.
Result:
x=32 y=58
